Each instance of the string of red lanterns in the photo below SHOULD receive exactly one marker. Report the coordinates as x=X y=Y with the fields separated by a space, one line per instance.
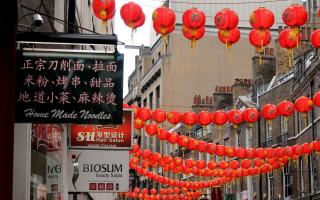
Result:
x=225 y=20
x=164 y=193
x=206 y=169
x=250 y=115
x=221 y=150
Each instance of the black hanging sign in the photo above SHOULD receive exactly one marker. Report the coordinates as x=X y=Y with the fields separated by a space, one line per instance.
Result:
x=69 y=87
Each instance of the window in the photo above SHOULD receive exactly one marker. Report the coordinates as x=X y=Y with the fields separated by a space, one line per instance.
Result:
x=268 y=133
x=140 y=71
x=216 y=157
x=152 y=61
x=145 y=102
x=270 y=186
x=286 y=181
x=312 y=173
x=151 y=100
x=284 y=125
x=237 y=139
x=226 y=143
x=46 y=161
x=159 y=54
x=301 y=176
x=158 y=97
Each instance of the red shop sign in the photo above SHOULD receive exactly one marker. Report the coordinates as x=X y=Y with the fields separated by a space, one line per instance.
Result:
x=104 y=136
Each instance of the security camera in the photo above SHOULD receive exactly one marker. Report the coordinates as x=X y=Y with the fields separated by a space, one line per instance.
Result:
x=37 y=20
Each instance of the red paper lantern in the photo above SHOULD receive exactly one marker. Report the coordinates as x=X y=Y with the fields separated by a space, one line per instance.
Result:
x=193 y=144
x=201 y=164
x=230 y=37
x=163 y=134
x=136 y=190
x=288 y=151
x=270 y=152
x=315 y=38
x=156 y=157
x=195 y=171
x=183 y=141
x=167 y=159
x=226 y=19
x=303 y=104
x=230 y=152
x=250 y=115
x=296 y=150
x=261 y=153
x=261 y=18
x=223 y=165
x=163 y=21
x=235 y=117
x=131 y=13
x=159 y=116
x=204 y=118
x=174 y=117
x=193 y=18
x=178 y=161
x=285 y=108
x=153 y=191
x=234 y=164
x=279 y=152
x=306 y=148
x=189 y=163
x=135 y=148
x=173 y=138
x=315 y=146
x=260 y=39
x=135 y=110
x=220 y=150
x=316 y=99
x=145 y=114
x=152 y=129
x=202 y=147
x=211 y=148
x=295 y=16
x=258 y=162
x=251 y=153
x=269 y=111
x=125 y=105
x=138 y=123
x=241 y=152
x=246 y=163
x=219 y=117
x=212 y=165
x=103 y=9
x=288 y=39
x=176 y=190
x=146 y=154
x=189 y=118
x=145 y=191
x=193 y=34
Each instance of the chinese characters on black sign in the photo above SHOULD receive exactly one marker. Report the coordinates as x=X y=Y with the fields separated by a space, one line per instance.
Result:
x=69 y=87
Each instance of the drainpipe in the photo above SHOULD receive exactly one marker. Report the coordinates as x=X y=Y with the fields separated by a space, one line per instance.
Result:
x=313 y=138
x=259 y=145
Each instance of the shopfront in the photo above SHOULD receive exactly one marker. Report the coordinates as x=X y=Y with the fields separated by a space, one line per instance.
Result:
x=70 y=129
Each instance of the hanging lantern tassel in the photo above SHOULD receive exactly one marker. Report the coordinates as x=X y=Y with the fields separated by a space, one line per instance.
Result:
x=304 y=116
x=193 y=42
x=164 y=42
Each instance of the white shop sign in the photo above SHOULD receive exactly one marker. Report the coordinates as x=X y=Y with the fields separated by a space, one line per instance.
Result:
x=98 y=171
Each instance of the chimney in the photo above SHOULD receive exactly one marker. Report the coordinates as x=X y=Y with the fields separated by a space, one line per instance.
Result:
x=264 y=66
x=222 y=97
x=241 y=87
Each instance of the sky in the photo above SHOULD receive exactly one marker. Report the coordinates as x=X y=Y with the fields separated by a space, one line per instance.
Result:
x=143 y=35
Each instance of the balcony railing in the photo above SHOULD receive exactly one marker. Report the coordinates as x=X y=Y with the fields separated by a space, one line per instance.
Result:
x=267 y=143
x=283 y=139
